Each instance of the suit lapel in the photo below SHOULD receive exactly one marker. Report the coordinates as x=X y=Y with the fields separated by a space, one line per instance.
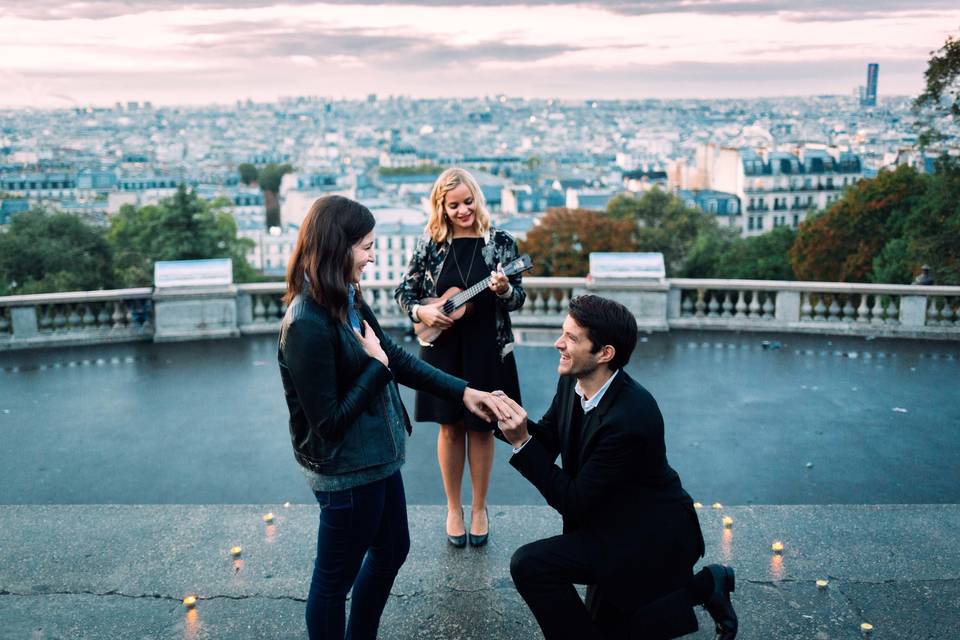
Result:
x=595 y=421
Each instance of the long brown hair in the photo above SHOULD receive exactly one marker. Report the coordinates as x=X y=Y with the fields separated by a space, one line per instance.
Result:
x=323 y=255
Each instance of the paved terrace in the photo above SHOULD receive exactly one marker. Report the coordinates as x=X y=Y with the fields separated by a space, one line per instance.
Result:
x=129 y=470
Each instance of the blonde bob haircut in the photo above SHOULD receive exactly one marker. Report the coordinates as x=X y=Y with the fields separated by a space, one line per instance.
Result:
x=438 y=226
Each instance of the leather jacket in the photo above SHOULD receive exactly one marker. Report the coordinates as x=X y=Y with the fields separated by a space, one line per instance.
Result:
x=336 y=393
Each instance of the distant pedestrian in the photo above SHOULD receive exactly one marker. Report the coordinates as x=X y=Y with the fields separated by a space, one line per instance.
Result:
x=924 y=277
x=347 y=423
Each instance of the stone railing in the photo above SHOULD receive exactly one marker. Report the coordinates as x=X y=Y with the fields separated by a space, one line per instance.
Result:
x=82 y=317
x=742 y=305
x=815 y=307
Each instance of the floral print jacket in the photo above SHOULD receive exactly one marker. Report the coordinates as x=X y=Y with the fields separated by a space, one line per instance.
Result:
x=427 y=262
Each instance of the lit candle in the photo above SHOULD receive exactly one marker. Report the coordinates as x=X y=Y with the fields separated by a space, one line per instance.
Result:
x=727 y=522
x=866 y=628
x=822 y=584
x=717 y=505
x=235 y=551
x=697 y=505
x=268 y=518
x=777 y=547
x=190 y=601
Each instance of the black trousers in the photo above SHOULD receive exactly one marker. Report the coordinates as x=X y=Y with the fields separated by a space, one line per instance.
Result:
x=638 y=592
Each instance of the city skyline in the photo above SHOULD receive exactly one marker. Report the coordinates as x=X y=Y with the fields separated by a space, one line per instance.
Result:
x=100 y=52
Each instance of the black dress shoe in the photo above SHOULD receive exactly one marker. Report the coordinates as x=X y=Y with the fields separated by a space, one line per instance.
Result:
x=481 y=539
x=718 y=605
x=459 y=541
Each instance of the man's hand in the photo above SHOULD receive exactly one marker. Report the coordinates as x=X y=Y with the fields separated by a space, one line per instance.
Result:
x=482 y=404
x=513 y=420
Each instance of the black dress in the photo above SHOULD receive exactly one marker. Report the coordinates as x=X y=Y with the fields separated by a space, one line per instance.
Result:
x=468 y=348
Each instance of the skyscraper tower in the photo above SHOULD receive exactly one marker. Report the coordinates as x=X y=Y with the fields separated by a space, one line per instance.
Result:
x=869 y=96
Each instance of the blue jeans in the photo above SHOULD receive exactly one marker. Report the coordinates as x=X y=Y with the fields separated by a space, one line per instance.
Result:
x=362 y=541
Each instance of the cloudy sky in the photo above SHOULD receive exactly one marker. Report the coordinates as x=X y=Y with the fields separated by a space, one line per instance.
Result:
x=62 y=53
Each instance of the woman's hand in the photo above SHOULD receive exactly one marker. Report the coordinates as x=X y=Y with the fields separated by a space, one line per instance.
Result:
x=433 y=316
x=498 y=281
x=371 y=344
x=484 y=405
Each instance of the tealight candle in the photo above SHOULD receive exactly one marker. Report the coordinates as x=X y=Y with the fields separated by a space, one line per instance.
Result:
x=822 y=584
x=235 y=551
x=190 y=601
x=268 y=518
x=697 y=505
x=727 y=522
x=777 y=547
x=866 y=628
x=717 y=505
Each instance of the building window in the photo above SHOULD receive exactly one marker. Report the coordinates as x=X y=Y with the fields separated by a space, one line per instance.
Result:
x=796 y=220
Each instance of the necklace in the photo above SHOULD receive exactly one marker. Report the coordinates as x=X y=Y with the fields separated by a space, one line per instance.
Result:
x=456 y=263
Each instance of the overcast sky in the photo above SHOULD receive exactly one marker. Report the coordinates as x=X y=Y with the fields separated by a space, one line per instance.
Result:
x=62 y=53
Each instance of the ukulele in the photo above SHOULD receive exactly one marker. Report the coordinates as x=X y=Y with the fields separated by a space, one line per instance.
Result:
x=455 y=303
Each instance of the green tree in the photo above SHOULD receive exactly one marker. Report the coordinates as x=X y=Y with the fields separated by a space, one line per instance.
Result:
x=270 y=178
x=940 y=101
x=248 y=173
x=664 y=223
x=561 y=244
x=182 y=227
x=45 y=252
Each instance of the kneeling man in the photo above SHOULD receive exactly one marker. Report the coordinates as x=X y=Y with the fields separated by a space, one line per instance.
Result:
x=630 y=531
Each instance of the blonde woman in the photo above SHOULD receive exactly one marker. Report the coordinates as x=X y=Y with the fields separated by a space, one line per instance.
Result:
x=459 y=248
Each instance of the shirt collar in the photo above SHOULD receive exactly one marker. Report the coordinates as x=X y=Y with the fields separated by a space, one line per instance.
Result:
x=591 y=404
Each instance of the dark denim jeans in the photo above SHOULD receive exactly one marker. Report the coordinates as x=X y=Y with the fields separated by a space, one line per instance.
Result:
x=362 y=541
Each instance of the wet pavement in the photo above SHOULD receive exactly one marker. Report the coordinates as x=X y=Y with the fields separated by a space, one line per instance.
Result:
x=818 y=420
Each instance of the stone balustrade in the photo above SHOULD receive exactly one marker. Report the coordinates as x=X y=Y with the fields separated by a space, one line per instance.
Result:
x=751 y=305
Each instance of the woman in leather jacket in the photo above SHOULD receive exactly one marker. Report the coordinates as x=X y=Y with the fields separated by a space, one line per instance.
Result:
x=347 y=423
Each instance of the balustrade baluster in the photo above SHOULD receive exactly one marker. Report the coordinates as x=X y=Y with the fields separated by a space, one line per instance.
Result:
x=686 y=307
x=700 y=305
x=259 y=311
x=74 y=319
x=89 y=320
x=933 y=313
x=877 y=314
x=713 y=307
x=834 y=309
x=819 y=311
x=863 y=311
x=4 y=321
x=727 y=306
x=768 y=306
x=45 y=318
x=59 y=318
x=540 y=304
x=946 y=313
x=103 y=316
x=119 y=314
x=848 y=310
x=741 y=305
x=754 y=304
x=272 y=308
x=892 y=312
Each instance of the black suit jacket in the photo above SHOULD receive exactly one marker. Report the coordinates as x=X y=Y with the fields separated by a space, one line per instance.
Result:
x=622 y=491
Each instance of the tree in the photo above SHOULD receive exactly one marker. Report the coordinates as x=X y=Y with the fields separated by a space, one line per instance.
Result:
x=664 y=223
x=45 y=252
x=561 y=244
x=940 y=101
x=182 y=227
x=270 y=178
x=840 y=244
x=248 y=173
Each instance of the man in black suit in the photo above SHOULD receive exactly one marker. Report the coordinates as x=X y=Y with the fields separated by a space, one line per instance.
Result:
x=630 y=531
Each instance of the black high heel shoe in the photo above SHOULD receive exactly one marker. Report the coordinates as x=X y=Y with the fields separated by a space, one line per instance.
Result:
x=481 y=539
x=459 y=541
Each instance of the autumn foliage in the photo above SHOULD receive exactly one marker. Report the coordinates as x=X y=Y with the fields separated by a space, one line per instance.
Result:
x=561 y=244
